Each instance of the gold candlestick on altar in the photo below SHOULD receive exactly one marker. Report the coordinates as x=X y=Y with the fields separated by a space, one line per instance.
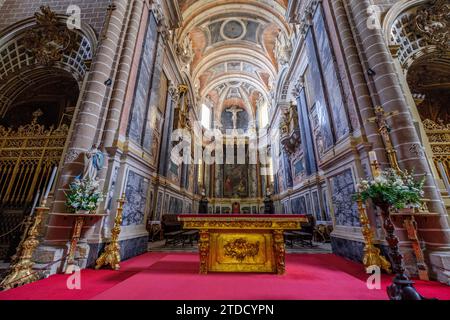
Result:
x=111 y=255
x=371 y=253
x=21 y=271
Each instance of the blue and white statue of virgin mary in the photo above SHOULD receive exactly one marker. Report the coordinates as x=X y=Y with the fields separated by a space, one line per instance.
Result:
x=93 y=162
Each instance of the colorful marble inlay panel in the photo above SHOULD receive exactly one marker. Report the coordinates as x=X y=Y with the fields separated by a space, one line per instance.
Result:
x=140 y=103
x=175 y=206
x=136 y=199
x=345 y=209
x=319 y=115
x=332 y=83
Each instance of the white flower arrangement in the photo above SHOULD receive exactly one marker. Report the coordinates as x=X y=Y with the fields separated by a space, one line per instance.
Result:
x=84 y=195
x=398 y=190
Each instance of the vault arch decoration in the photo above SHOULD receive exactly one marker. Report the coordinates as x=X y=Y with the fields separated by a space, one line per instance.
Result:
x=234 y=42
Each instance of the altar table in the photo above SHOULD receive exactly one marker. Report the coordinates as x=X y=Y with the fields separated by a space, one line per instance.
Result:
x=242 y=243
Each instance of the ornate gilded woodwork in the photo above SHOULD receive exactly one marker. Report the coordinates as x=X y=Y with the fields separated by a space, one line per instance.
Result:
x=241 y=248
x=242 y=243
x=27 y=156
x=111 y=255
x=280 y=251
x=439 y=137
x=203 y=247
x=182 y=120
x=372 y=255
x=21 y=270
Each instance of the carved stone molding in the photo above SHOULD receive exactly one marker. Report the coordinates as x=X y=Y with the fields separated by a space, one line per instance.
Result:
x=174 y=93
x=158 y=13
x=290 y=130
x=433 y=23
x=298 y=87
x=48 y=40
x=161 y=20
x=283 y=49
x=185 y=53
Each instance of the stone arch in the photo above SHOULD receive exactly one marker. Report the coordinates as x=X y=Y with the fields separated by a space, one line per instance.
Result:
x=405 y=42
x=245 y=54
x=204 y=10
x=238 y=78
x=412 y=49
x=18 y=68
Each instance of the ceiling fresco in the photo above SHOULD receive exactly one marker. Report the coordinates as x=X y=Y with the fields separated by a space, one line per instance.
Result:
x=233 y=58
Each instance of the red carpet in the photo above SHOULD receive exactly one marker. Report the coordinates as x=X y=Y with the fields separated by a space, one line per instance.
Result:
x=174 y=276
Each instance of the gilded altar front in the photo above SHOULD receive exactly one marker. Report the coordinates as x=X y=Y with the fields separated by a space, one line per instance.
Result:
x=242 y=243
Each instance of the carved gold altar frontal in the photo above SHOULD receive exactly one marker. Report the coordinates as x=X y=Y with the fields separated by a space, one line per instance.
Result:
x=242 y=243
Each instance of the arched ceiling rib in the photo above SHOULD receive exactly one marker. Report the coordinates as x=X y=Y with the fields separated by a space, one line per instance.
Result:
x=227 y=54
x=233 y=42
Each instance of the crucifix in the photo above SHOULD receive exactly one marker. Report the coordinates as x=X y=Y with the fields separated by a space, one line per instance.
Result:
x=384 y=130
x=234 y=111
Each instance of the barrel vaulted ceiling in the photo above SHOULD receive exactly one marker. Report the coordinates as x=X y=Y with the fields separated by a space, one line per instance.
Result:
x=229 y=48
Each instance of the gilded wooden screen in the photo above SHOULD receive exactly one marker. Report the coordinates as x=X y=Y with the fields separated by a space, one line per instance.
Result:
x=27 y=157
x=439 y=137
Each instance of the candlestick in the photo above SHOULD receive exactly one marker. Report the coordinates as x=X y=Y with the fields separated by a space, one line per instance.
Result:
x=36 y=198
x=111 y=255
x=21 y=271
x=374 y=163
x=50 y=183
x=372 y=255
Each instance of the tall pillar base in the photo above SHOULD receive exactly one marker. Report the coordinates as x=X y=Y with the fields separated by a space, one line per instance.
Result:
x=440 y=265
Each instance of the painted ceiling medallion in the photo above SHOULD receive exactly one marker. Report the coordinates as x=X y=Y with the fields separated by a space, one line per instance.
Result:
x=233 y=30
x=48 y=40
x=434 y=24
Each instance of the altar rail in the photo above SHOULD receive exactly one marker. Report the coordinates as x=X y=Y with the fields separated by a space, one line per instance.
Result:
x=439 y=137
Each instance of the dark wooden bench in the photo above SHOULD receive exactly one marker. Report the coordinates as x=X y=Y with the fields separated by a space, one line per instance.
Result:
x=304 y=237
x=170 y=223
x=189 y=237
x=173 y=238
